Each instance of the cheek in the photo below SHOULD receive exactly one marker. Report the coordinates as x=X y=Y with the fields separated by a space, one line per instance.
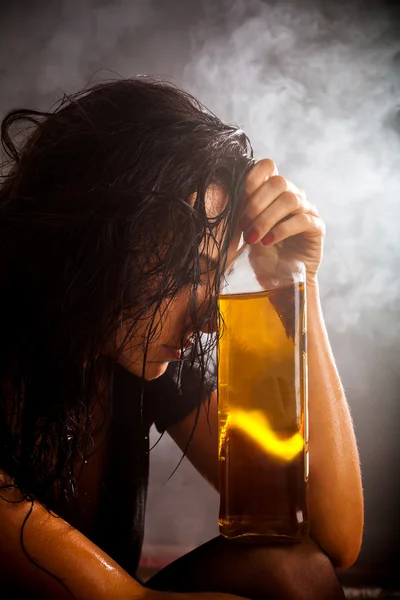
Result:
x=177 y=311
x=207 y=310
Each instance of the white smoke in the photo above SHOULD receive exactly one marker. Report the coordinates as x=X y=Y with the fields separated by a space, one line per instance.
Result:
x=316 y=95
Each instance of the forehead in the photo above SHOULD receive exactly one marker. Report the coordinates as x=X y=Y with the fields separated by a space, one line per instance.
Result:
x=216 y=199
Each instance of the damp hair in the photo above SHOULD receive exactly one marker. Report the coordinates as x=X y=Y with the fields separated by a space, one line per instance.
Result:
x=102 y=222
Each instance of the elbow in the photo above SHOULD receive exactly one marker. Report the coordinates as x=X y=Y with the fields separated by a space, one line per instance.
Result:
x=342 y=546
x=346 y=559
x=341 y=558
x=344 y=552
x=339 y=532
x=351 y=541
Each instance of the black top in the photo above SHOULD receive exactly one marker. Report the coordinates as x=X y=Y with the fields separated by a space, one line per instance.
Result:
x=165 y=401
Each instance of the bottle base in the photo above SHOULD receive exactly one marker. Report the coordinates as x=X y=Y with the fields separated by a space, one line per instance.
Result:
x=262 y=531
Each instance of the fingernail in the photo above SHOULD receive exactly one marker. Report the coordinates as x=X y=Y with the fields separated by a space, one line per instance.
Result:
x=251 y=236
x=268 y=239
x=245 y=223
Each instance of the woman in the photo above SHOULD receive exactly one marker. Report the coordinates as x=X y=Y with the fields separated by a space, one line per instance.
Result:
x=119 y=213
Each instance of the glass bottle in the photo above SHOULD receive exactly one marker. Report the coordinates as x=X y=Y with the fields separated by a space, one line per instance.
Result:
x=262 y=398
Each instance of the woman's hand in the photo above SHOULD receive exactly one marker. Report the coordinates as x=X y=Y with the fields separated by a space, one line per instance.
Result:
x=275 y=210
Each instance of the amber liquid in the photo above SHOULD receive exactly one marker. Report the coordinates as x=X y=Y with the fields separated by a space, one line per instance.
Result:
x=262 y=396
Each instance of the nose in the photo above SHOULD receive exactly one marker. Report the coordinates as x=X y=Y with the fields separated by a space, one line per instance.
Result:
x=210 y=325
x=207 y=314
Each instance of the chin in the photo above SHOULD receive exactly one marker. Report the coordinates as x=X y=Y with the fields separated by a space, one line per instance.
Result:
x=155 y=370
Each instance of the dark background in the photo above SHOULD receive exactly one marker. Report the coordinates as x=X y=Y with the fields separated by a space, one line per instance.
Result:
x=316 y=86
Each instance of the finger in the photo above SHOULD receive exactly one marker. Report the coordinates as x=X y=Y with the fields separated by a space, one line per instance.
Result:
x=265 y=195
x=262 y=170
x=283 y=207
x=312 y=210
x=298 y=224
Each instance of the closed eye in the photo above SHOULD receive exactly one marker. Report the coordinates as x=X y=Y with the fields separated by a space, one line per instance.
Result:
x=207 y=265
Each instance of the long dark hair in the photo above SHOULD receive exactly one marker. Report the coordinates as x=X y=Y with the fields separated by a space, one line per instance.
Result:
x=96 y=229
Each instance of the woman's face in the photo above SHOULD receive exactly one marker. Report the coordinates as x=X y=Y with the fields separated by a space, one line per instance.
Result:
x=175 y=325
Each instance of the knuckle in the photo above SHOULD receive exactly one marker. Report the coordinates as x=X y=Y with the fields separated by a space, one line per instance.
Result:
x=269 y=166
x=278 y=183
x=293 y=200
x=315 y=223
x=313 y=209
x=281 y=230
x=309 y=220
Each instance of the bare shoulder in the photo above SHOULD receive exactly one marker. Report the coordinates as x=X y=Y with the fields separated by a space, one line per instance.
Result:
x=71 y=563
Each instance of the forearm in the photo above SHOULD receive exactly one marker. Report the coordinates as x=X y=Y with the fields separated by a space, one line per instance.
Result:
x=336 y=500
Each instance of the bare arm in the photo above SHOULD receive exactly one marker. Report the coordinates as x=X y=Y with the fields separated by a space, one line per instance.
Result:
x=87 y=572
x=336 y=496
x=336 y=499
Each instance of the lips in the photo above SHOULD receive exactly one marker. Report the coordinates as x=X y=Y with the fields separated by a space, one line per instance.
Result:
x=189 y=343
x=176 y=351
